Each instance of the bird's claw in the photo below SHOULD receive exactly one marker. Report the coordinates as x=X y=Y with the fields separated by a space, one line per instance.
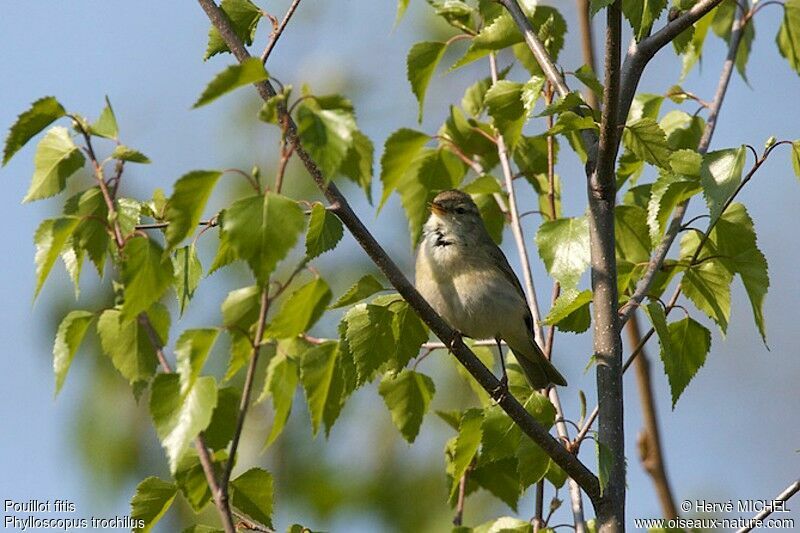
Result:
x=458 y=338
x=499 y=393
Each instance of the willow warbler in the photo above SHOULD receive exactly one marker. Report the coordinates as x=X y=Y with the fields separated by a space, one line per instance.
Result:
x=466 y=278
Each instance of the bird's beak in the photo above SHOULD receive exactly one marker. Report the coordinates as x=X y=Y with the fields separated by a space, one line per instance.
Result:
x=436 y=209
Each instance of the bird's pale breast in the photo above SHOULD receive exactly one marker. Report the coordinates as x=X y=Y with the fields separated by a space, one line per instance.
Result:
x=470 y=293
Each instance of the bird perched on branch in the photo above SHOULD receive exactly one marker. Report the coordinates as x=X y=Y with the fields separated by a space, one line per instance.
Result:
x=466 y=278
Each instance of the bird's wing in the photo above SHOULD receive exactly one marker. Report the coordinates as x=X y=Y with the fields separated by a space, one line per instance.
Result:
x=500 y=260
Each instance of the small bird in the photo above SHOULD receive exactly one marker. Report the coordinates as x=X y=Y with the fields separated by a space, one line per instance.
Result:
x=466 y=278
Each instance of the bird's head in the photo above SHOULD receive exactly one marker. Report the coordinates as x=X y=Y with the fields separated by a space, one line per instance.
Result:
x=454 y=206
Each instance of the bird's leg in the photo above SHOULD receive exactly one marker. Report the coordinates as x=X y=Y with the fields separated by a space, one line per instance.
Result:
x=501 y=389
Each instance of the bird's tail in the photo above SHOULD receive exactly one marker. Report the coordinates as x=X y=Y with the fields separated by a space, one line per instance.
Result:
x=538 y=370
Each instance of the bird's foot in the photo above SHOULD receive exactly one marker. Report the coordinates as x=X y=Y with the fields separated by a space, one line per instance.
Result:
x=458 y=338
x=499 y=393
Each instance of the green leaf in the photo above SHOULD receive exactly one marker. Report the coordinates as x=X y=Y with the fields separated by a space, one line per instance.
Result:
x=280 y=384
x=502 y=32
x=68 y=339
x=720 y=176
x=366 y=286
x=180 y=417
x=483 y=185
x=420 y=65
x=326 y=127
x=472 y=101
x=129 y=214
x=596 y=5
x=564 y=247
x=409 y=333
x=632 y=238
x=241 y=349
x=223 y=422
x=683 y=130
x=505 y=106
x=707 y=285
x=569 y=121
x=695 y=48
x=41 y=114
x=569 y=102
x=57 y=158
x=50 y=238
x=532 y=463
x=570 y=312
x=146 y=274
x=796 y=158
x=587 y=76
x=188 y=271
x=400 y=149
x=646 y=139
x=641 y=14
x=106 y=125
x=357 y=164
x=686 y=162
x=125 y=153
x=185 y=206
x=324 y=231
x=605 y=460
x=408 y=396
x=462 y=449
x=788 y=37
x=128 y=344
x=262 y=230
x=469 y=136
x=252 y=495
x=370 y=338
x=243 y=16
x=318 y=373
x=240 y=307
x=91 y=234
x=668 y=191
x=732 y=243
x=690 y=342
x=645 y=105
x=152 y=499
x=191 y=351
x=402 y=5
x=248 y=71
x=301 y=310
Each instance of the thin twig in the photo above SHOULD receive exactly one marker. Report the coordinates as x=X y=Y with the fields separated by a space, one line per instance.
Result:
x=462 y=492
x=651 y=452
x=784 y=497
x=571 y=464
x=246 y=392
x=273 y=40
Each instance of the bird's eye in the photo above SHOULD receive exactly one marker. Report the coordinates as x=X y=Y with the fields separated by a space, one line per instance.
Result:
x=460 y=210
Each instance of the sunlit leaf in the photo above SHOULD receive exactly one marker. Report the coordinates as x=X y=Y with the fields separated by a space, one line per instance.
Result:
x=421 y=63
x=68 y=339
x=248 y=71
x=57 y=158
x=324 y=231
x=146 y=275
x=408 y=396
x=186 y=205
x=180 y=417
x=252 y=495
x=564 y=247
x=152 y=499
x=41 y=114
